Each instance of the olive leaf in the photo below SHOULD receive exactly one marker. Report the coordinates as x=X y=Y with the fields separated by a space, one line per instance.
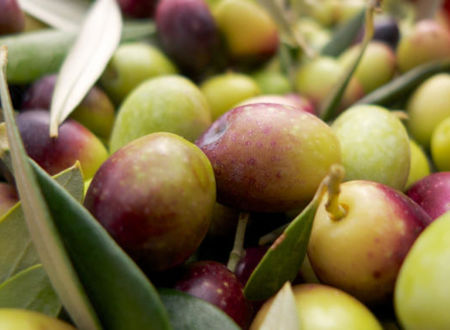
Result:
x=190 y=313
x=30 y=289
x=330 y=105
x=282 y=313
x=65 y=15
x=45 y=236
x=96 y=42
x=17 y=249
x=401 y=86
x=284 y=258
x=34 y=54
x=344 y=36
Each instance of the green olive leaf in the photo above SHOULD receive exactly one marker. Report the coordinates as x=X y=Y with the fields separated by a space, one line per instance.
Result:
x=44 y=234
x=190 y=313
x=30 y=289
x=96 y=42
x=284 y=258
x=121 y=294
x=344 y=36
x=282 y=313
x=401 y=86
x=17 y=249
x=65 y=15
x=330 y=105
x=34 y=54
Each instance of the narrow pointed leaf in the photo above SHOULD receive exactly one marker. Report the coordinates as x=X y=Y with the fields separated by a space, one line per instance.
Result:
x=401 y=86
x=121 y=294
x=34 y=54
x=65 y=15
x=95 y=44
x=344 y=36
x=17 y=249
x=331 y=104
x=18 y=252
x=190 y=313
x=30 y=289
x=284 y=258
x=44 y=234
x=282 y=313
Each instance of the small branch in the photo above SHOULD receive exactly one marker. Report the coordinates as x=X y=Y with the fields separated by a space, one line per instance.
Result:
x=238 y=247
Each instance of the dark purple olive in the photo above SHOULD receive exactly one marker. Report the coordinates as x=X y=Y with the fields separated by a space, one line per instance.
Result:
x=188 y=33
x=213 y=282
x=74 y=142
x=386 y=30
x=248 y=263
x=138 y=8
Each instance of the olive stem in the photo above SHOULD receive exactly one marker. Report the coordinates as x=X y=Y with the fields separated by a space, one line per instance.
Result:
x=335 y=210
x=238 y=247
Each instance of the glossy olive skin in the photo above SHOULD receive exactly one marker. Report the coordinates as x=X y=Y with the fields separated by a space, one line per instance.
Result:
x=349 y=254
x=187 y=32
x=213 y=282
x=432 y=193
x=12 y=18
x=155 y=196
x=74 y=142
x=265 y=156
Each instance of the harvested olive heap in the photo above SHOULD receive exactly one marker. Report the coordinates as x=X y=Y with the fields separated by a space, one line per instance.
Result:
x=224 y=164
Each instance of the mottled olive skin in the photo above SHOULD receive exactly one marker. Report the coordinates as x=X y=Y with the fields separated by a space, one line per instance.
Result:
x=163 y=104
x=213 y=282
x=269 y=157
x=187 y=32
x=74 y=142
x=291 y=99
x=12 y=18
x=95 y=112
x=155 y=196
x=362 y=252
x=432 y=193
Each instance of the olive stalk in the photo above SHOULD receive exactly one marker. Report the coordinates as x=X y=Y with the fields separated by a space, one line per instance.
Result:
x=238 y=247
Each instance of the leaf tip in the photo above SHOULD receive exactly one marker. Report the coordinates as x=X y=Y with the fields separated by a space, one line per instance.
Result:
x=53 y=129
